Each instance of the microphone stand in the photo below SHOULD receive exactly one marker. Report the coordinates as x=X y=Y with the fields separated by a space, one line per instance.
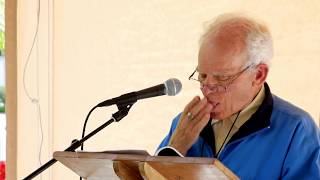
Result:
x=123 y=110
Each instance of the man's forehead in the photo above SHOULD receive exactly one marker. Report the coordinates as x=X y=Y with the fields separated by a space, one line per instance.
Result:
x=220 y=62
x=222 y=46
x=216 y=68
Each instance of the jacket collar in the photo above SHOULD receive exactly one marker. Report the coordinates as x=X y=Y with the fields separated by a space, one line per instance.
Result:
x=259 y=120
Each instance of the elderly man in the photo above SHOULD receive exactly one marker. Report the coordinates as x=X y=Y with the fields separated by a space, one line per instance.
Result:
x=239 y=121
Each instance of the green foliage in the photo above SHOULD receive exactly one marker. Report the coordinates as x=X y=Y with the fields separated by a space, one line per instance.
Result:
x=2 y=42
x=2 y=99
x=2 y=27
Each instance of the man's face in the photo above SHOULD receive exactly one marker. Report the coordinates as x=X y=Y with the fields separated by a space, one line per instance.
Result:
x=225 y=59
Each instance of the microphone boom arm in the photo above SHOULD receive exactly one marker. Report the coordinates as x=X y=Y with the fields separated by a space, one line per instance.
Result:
x=124 y=102
x=123 y=110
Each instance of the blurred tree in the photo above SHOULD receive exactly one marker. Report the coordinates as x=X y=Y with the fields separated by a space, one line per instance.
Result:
x=2 y=29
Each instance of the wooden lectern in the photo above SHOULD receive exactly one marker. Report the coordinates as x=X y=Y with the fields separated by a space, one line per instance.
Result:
x=139 y=166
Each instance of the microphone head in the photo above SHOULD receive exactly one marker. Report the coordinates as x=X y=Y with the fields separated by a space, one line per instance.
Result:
x=173 y=86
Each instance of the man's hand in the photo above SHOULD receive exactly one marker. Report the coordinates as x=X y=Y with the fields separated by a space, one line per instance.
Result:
x=193 y=119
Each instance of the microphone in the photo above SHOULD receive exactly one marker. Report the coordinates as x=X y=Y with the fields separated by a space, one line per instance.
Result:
x=170 y=87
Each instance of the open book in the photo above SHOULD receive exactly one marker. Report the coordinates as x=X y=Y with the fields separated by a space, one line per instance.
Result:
x=138 y=165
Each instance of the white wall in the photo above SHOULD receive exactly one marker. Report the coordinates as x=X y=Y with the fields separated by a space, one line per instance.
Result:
x=34 y=118
x=102 y=49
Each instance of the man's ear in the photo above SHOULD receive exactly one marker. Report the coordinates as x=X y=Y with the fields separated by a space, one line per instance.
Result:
x=260 y=76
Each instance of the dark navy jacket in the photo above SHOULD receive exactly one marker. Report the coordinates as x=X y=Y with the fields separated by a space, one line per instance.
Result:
x=279 y=141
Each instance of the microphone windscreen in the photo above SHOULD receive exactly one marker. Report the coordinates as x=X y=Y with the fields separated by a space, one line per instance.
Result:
x=173 y=86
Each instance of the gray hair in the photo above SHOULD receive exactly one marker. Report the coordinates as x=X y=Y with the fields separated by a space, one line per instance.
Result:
x=258 y=41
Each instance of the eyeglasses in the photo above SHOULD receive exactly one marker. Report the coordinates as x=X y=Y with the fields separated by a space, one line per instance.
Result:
x=223 y=81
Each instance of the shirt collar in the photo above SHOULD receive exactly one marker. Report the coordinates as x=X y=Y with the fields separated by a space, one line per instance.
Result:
x=247 y=112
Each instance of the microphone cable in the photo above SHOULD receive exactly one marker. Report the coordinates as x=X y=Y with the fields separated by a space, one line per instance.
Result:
x=85 y=124
x=84 y=127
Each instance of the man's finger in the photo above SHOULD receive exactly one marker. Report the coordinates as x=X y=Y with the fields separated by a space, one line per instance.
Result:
x=201 y=123
x=193 y=102
x=197 y=108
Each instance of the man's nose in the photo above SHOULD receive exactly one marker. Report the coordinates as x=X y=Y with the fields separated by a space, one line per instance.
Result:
x=205 y=90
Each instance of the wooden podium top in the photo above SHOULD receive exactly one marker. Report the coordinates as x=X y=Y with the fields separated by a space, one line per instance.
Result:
x=101 y=165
